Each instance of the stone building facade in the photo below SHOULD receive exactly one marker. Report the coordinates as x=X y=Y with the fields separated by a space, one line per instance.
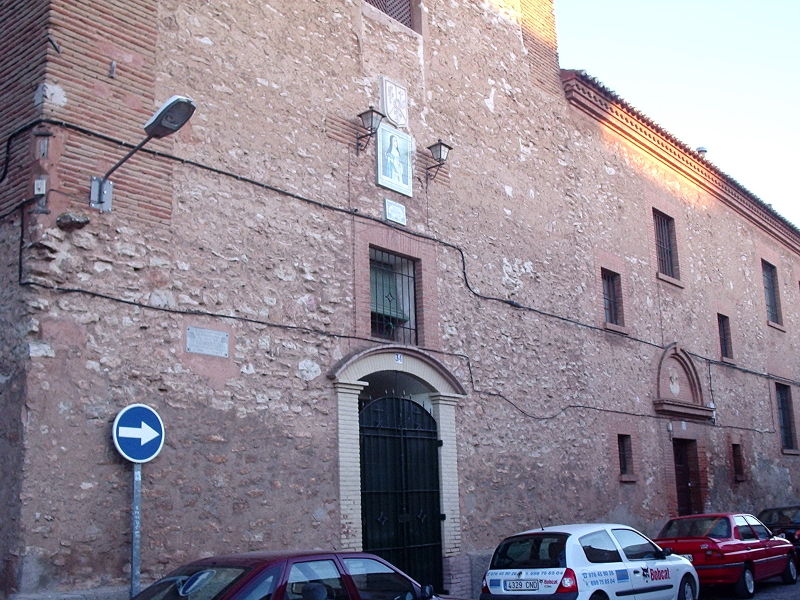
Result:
x=586 y=317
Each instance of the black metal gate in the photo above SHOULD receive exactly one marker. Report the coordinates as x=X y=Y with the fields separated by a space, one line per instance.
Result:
x=400 y=509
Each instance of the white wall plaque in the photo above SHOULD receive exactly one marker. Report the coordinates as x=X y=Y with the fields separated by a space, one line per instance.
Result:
x=394 y=211
x=207 y=341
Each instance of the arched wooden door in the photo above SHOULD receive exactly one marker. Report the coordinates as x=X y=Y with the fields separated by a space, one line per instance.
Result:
x=400 y=505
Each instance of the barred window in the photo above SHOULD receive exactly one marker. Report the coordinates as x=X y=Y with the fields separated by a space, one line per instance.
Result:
x=400 y=10
x=612 y=297
x=625 y=454
x=786 y=416
x=725 y=345
x=771 y=292
x=666 y=244
x=393 y=296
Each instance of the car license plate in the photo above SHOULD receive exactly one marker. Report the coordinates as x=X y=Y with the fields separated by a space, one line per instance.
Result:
x=525 y=585
x=687 y=557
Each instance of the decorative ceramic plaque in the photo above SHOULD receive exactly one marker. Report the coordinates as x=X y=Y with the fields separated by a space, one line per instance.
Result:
x=394 y=102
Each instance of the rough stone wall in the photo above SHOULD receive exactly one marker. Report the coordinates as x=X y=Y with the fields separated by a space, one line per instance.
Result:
x=248 y=437
x=13 y=359
x=267 y=244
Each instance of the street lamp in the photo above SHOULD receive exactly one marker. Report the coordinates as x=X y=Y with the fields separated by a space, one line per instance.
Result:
x=173 y=115
x=440 y=151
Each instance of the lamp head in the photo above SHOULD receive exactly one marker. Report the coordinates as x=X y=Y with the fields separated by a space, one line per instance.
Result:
x=440 y=151
x=371 y=118
x=172 y=115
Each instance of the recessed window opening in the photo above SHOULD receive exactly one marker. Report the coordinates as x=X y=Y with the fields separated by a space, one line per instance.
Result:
x=725 y=345
x=738 y=462
x=666 y=244
x=393 y=296
x=786 y=416
x=612 y=297
x=771 y=295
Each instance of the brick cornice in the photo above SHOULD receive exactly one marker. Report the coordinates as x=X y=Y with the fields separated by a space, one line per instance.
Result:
x=587 y=95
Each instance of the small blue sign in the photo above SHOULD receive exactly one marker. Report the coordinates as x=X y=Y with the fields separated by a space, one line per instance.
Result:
x=138 y=433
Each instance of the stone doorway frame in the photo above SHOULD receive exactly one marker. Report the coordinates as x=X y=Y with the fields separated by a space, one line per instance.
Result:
x=347 y=377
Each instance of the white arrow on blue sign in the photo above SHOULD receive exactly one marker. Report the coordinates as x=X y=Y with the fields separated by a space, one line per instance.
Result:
x=138 y=433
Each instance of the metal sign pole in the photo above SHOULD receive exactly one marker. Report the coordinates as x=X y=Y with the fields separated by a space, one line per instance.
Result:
x=136 y=529
x=138 y=434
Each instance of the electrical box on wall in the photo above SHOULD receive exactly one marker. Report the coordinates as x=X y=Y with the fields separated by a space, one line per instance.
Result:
x=40 y=186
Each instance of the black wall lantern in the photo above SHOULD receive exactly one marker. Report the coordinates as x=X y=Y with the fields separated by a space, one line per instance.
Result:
x=370 y=120
x=440 y=151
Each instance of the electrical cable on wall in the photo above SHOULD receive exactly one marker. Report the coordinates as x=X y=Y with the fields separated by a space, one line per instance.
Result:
x=352 y=213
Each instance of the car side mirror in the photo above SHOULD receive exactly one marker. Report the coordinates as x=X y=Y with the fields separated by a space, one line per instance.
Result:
x=198 y=580
x=426 y=592
x=663 y=553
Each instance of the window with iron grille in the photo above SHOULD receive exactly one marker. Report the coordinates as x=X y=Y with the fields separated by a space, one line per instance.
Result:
x=612 y=297
x=393 y=296
x=666 y=244
x=400 y=10
x=625 y=454
x=738 y=462
x=725 y=345
x=786 y=416
x=771 y=292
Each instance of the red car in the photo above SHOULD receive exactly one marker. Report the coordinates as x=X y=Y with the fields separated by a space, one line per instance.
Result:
x=288 y=576
x=728 y=548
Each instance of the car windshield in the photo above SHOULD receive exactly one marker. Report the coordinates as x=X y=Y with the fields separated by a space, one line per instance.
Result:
x=716 y=527
x=535 y=551
x=192 y=583
x=780 y=516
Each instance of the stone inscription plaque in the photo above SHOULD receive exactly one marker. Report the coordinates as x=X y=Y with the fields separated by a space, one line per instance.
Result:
x=207 y=341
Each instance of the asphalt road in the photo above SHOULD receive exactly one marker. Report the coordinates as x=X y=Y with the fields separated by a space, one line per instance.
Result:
x=765 y=590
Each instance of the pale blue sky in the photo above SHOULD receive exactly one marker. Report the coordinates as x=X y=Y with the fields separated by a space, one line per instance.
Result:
x=716 y=73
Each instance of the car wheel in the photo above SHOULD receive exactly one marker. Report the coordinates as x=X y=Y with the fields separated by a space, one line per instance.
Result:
x=598 y=596
x=789 y=575
x=746 y=586
x=686 y=591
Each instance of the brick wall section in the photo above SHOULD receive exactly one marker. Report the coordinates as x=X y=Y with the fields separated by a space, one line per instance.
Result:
x=59 y=65
x=349 y=484
x=24 y=48
x=539 y=37
x=103 y=80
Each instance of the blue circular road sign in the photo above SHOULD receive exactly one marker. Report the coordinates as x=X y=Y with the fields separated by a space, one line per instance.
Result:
x=138 y=433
